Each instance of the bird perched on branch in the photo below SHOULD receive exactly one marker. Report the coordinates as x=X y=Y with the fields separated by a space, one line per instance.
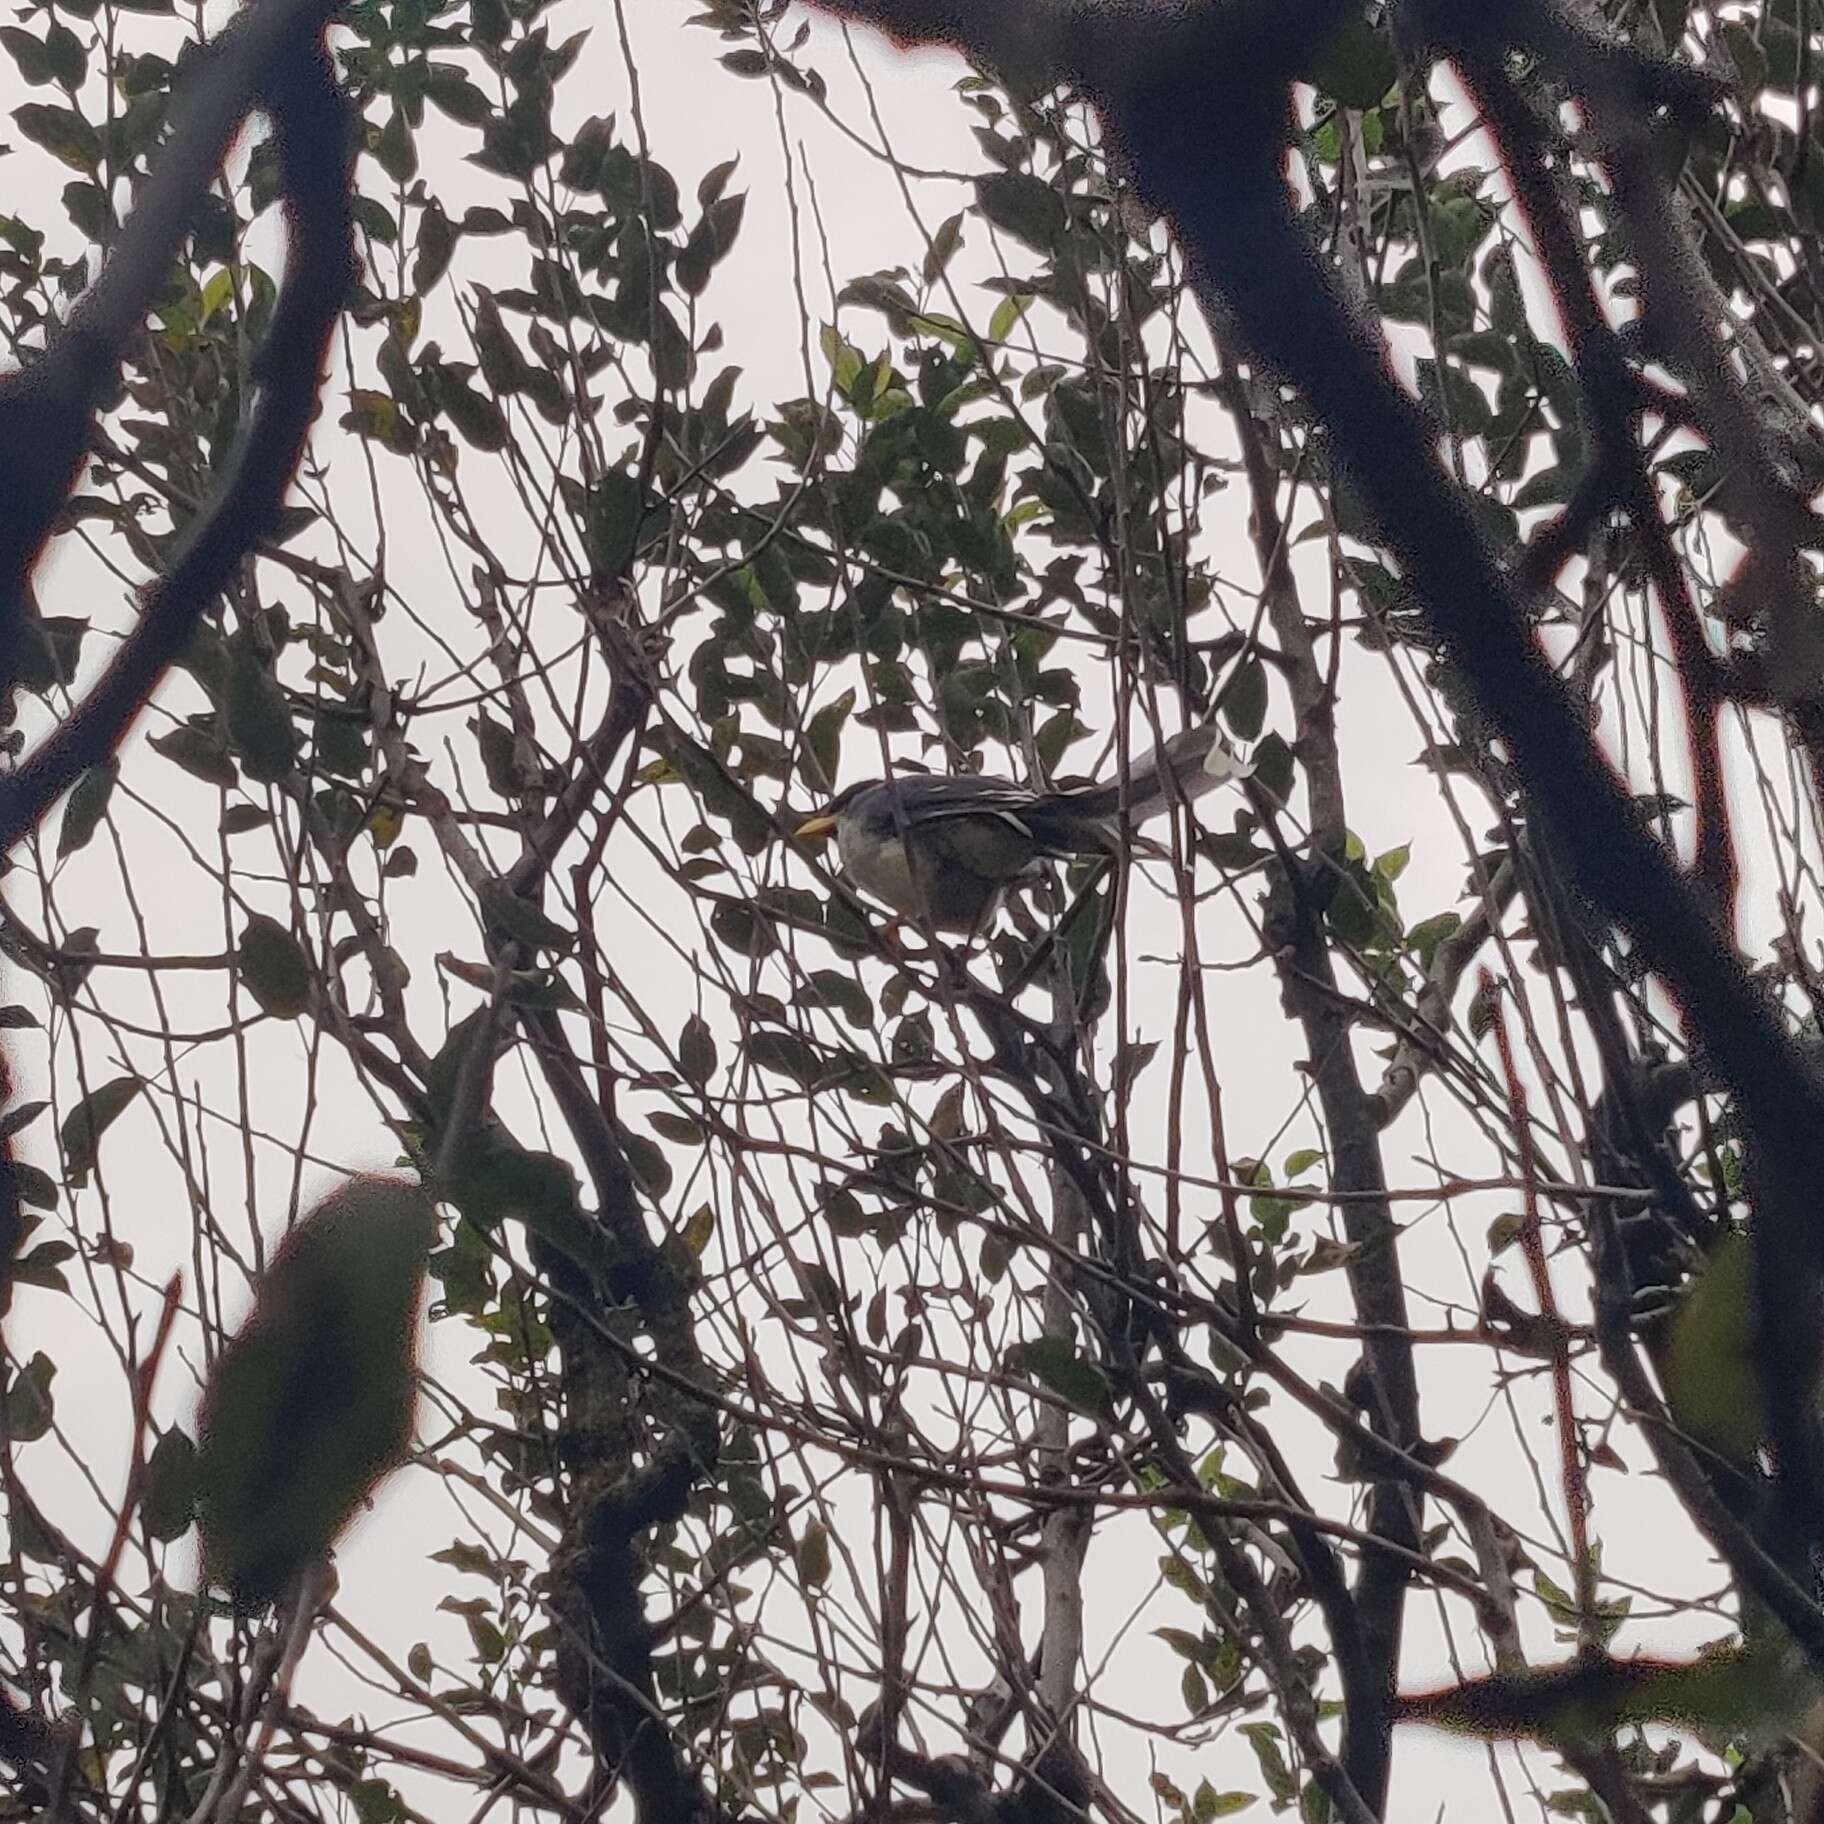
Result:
x=944 y=849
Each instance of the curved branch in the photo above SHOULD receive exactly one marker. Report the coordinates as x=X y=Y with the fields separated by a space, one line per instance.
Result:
x=281 y=65
x=1199 y=104
x=1213 y=162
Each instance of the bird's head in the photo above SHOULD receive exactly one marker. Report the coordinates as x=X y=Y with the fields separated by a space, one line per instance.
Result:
x=822 y=824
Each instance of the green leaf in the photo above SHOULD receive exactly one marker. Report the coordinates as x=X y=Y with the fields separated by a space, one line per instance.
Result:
x=503 y=366
x=1244 y=700
x=20 y=1115
x=817 y=760
x=59 y=57
x=785 y=1054
x=52 y=644
x=435 y=245
x=1461 y=401
x=715 y=181
x=478 y=420
x=1546 y=488
x=944 y=243
x=697 y=1050
x=1354 y=912
x=1357 y=65
x=612 y=516
x=273 y=968
x=814 y=1555
x=28 y=54
x=647 y=1161
x=43 y=1266
x=499 y=755
x=1054 y=1363
x=1486 y=348
x=1024 y=206
x=833 y=988
x=393 y=148
x=169 y=1503
x=448 y=85
x=199 y=753
x=374 y=219
x=29 y=1407
x=217 y=290
x=1273 y=768
x=1506 y=301
x=85 y=1124
x=87 y=207
x=1711 y=1371
x=521 y=920
x=1006 y=314
x=710 y=242
x=680 y=1130
x=375 y=1802
x=699 y=1229
x=62 y=132
x=257 y=716
x=495 y=1181
x=37 y=1189
x=1055 y=734
x=312 y=1401
x=377 y=416
x=542 y=989
x=1265 y=1740
x=1209 y=1803
x=339 y=746
x=1425 y=937
x=28 y=242
x=85 y=807
x=1505 y=1230
x=490 y=1643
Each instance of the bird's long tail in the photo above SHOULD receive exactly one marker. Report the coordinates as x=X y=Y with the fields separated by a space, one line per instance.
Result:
x=1195 y=760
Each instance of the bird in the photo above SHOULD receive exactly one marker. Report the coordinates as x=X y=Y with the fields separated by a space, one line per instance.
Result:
x=944 y=849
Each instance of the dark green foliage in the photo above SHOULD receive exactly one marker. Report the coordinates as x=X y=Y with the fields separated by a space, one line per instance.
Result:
x=311 y=1403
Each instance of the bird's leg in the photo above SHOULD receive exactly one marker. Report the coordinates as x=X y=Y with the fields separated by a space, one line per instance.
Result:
x=894 y=929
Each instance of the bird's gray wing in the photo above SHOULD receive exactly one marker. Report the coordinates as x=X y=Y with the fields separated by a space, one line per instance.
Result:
x=934 y=798
x=978 y=826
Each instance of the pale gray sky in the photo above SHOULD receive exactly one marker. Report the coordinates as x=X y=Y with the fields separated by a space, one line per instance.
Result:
x=697 y=117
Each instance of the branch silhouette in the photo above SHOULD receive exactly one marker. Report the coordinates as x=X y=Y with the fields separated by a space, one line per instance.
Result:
x=272 y=59
x=1199 y=104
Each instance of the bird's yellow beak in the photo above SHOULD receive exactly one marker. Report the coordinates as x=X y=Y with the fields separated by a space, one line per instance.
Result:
x=815 y=829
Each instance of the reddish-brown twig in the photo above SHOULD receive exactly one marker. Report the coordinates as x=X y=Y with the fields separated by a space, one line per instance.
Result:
x=1532 y=1247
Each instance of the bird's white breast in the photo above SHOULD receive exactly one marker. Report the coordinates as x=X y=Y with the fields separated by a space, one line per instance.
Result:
x=882 y=868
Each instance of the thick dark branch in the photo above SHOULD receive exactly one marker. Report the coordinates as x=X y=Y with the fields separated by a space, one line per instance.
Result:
x=1618 y=464
x=1212 y=158
x=1367 y=1634
x=1389 y=1388
x=284 y=68
x=45 y=410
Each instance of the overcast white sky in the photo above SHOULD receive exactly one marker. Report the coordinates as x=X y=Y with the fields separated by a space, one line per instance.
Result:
x=697 y=117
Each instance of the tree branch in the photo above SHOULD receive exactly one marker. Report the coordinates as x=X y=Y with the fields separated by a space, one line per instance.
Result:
x=282 y=66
